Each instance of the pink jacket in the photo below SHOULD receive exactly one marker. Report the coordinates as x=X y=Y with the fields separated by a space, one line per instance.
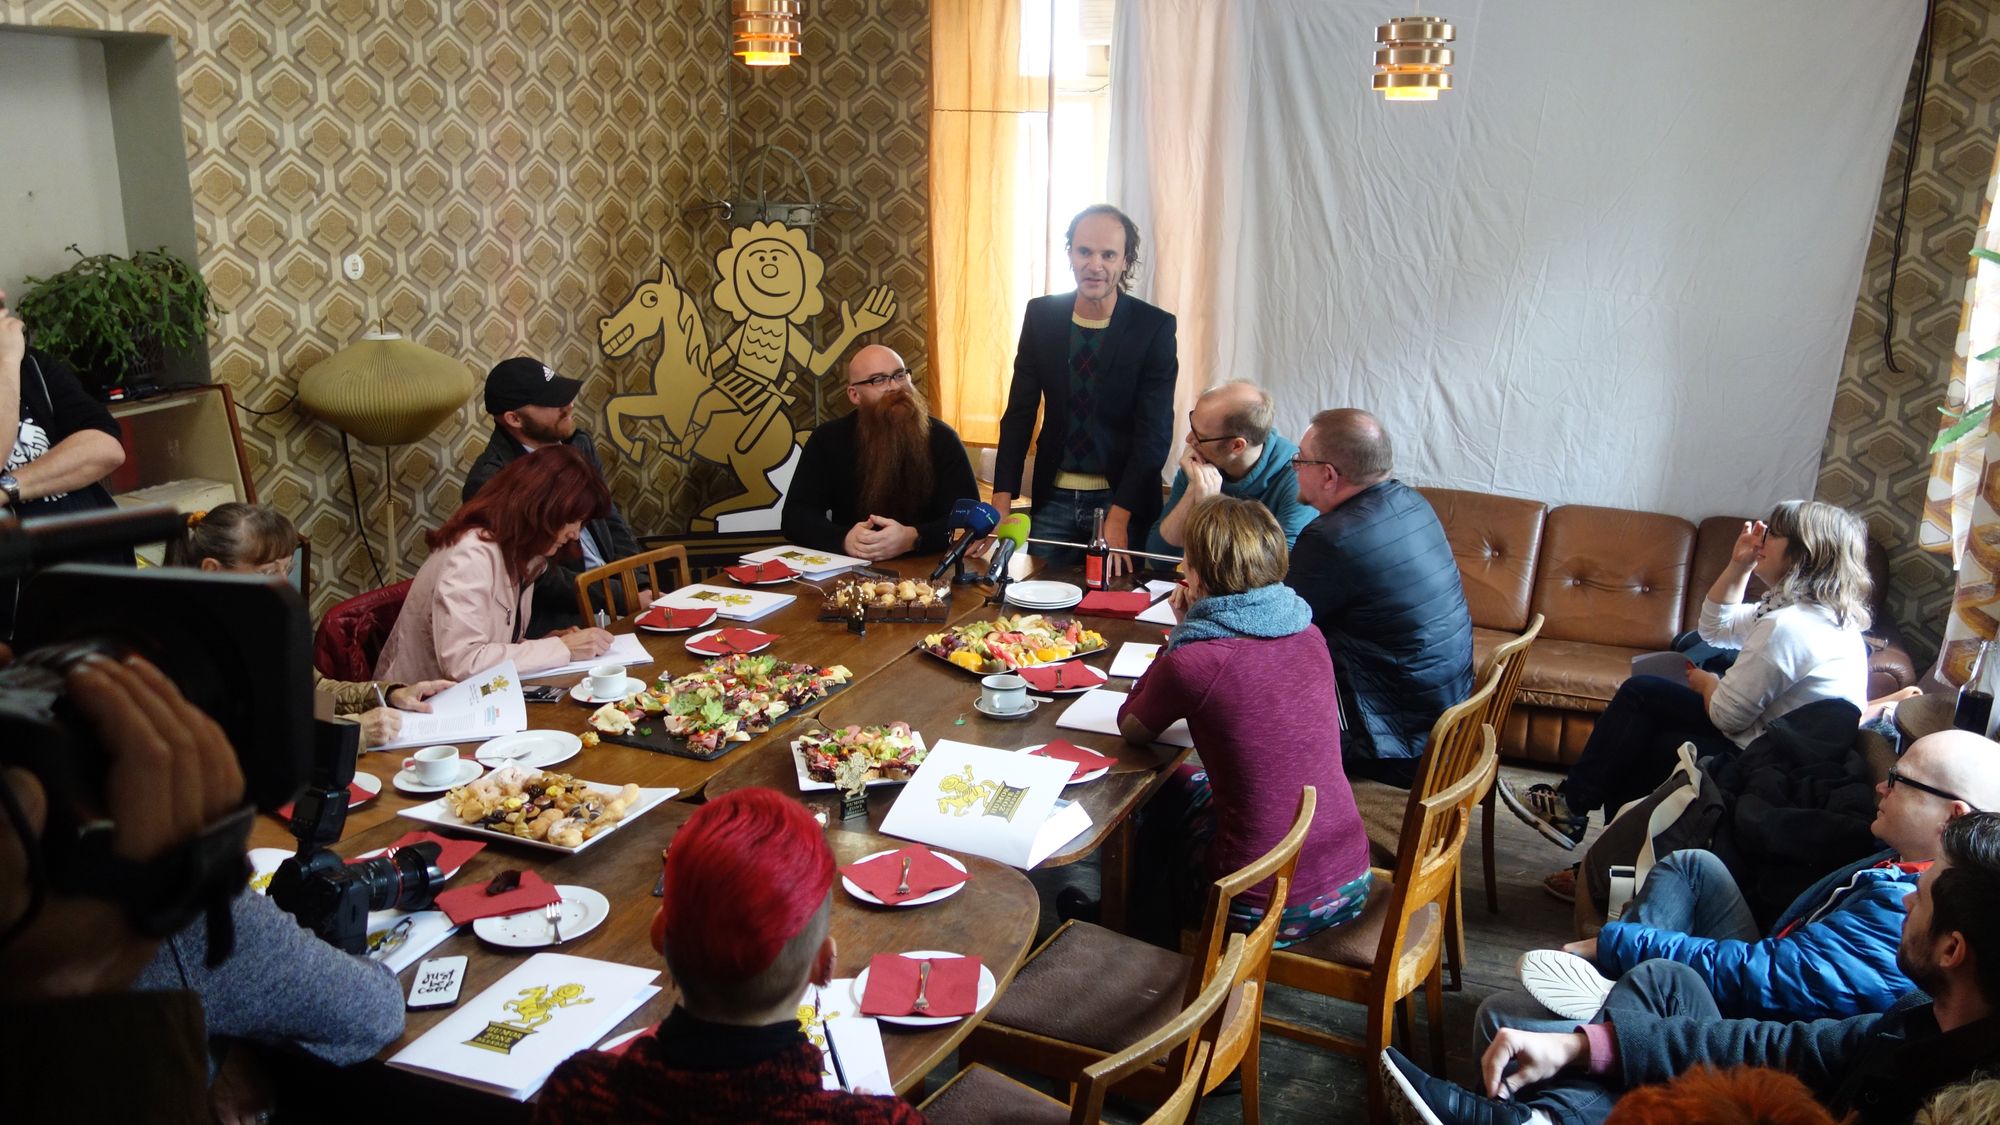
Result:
x=465 y=614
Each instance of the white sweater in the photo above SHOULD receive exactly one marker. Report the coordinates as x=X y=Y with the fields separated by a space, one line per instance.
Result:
x=1792 y=656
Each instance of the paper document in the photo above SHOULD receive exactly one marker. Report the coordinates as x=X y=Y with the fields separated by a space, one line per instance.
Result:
x=1159 y=613
x=485 y=705
x=1160 y=588
x=1096 y=711
x=625 y=649
x=813 y=564
x=996 y=803
x=1133 y=660
x=838 y=1030
x=736 y=604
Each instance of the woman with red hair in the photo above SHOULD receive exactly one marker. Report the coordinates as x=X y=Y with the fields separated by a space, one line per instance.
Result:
x=468 y=608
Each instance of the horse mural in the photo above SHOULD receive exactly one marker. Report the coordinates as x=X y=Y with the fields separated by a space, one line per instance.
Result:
x=726 y=405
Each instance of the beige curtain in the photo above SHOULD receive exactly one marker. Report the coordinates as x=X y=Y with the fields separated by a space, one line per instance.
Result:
x=1962 y=500
x=989 y=129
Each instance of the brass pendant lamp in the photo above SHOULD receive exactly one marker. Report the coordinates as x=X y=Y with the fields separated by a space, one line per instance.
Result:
x=1412 y=62
x=766 y=32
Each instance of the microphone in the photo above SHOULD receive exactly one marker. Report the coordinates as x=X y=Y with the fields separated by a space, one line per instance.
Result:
x=978 y=519
x=1011 y=535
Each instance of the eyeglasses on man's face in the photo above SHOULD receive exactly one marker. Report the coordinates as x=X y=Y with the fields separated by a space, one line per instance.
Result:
x=899 y=375
x=1898 y=777
x=1194 y=434
x=1298 y=462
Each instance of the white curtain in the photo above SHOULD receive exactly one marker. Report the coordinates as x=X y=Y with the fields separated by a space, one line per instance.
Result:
x=1616 y=264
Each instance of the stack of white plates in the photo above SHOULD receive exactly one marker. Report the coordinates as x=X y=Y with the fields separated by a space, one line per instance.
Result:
x=1043 y=595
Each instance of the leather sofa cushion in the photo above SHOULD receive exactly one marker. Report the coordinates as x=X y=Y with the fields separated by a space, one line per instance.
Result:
x=1496 y=540
x=1613 y=577
x=1574 y=675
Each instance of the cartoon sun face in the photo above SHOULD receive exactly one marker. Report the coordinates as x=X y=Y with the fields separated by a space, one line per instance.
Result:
x=768 y=271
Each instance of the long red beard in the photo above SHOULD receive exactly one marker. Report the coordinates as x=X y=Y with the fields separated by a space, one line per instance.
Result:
x=893 y=440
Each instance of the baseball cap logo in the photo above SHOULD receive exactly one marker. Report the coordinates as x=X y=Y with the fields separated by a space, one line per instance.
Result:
x=548 y=373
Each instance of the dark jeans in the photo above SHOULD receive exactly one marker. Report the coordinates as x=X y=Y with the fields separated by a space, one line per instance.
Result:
x=1655 y=988
x=1636 y=743
x=1068 y=515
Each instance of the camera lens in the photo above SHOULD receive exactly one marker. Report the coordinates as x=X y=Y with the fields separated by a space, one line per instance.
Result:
x=408 y=880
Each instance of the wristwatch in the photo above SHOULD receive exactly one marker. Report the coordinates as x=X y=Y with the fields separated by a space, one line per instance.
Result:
x=12 y=488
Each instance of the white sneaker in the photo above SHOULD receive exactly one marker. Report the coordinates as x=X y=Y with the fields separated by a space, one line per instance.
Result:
x=1564 y=983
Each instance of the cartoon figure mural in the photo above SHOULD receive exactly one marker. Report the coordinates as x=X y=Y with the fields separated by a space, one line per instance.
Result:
x=726 y=405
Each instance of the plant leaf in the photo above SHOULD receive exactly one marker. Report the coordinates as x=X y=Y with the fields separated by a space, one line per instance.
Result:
x=1969 y=421
x=1988 y=355
x=1989 y=255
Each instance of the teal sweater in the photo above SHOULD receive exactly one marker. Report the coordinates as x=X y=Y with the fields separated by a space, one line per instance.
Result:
x=1271 y=482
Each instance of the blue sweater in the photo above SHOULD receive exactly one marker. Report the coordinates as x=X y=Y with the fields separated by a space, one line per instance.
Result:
x=1270 y=482
x=1841 y=962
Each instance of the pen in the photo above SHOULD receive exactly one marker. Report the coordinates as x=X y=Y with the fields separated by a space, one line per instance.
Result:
x=379 y=697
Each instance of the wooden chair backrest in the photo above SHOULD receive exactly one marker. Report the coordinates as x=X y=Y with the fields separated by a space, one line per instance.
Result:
x=1510 y=659
x=1434 y=833
x=625 y=571
x=1189 y=1034
x=1278 y=865
x=1454 y=742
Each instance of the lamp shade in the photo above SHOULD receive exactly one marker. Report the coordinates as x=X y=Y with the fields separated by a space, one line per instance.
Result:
x=385 y=390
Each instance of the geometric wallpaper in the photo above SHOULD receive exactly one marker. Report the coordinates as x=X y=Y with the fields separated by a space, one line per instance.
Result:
x=1875 y=460
x=509 y=170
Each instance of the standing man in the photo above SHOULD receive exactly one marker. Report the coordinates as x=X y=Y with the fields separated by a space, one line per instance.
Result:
x=1101 y=366
x=1378 y=572
x=1231 y=451
x=879 y=482
x=532 y=406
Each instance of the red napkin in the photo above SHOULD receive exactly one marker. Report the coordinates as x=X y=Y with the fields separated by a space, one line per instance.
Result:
x=466 y=904
x=731 y=640
x=667 y=617
x=1086 y=760
x=766 y=571
x=1061 y=677
x=355 y=795
x=452 y=854
x=892 y=986
x=1119 y=603
x=883 y=874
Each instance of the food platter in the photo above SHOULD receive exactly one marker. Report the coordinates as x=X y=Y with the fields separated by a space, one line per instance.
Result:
x=1028 y=640
x=439 y=813
x=810 y=784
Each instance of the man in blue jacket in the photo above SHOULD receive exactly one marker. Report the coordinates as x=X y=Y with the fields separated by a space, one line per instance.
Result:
x=1832 y=953
x=1231 y=450
x=1660 y=1020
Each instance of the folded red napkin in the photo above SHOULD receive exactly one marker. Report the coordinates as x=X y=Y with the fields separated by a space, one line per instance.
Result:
x=466 y=904
x=355 y=795
x=731 y=640
x=1086 y=760
x=953 y=989
x=452 y=854
x=1115 y=603
x=668 y=617
x=767 y=571
x=1062 y=677
x=883 y=874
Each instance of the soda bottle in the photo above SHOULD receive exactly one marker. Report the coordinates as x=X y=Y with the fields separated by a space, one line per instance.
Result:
x=1097 y=558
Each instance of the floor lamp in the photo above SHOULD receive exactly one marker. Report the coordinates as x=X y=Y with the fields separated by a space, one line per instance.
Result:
x=385 y=390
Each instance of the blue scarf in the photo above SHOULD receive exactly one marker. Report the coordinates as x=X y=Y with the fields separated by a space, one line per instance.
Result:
x=1268 y=612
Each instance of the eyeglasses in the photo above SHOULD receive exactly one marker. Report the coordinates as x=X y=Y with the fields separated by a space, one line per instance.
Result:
x=899 y=375
x=1200 y=440
x=1297 y=461
x=1897 y=777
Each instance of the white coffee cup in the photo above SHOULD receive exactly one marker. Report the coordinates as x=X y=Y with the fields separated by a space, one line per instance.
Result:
x=1004 y=693
x=607 y=681
x=433 y=765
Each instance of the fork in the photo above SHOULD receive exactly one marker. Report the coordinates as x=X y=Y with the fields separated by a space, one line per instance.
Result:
x=553 y=912
x=923 y=1003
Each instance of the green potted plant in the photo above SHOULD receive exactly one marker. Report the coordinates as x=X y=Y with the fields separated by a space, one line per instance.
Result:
x=119 y=321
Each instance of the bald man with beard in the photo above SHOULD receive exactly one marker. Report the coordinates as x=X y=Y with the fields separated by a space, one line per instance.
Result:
x=879 y=482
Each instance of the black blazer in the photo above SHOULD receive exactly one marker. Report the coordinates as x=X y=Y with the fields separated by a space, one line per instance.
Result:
x=1138 y=364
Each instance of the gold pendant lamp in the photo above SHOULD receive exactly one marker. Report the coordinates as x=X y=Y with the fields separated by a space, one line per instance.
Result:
x=766 y=32
x=1411 y=60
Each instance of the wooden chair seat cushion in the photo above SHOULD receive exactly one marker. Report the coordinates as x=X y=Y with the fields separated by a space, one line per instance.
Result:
x=1355 y=944
x=1382 y=808
x=981 y=1094
x=1096 y=988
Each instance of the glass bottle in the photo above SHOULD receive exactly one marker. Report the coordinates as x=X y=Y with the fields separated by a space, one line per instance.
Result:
x=1097 y=557
x=1975 y=697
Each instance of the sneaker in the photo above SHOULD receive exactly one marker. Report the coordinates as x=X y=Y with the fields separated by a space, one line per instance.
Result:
x=1564 y=983
x=1416 y=1098
x=1561 y=885
x=1545 y=811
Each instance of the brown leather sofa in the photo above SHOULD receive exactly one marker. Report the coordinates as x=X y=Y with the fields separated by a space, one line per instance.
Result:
x=1611 y=584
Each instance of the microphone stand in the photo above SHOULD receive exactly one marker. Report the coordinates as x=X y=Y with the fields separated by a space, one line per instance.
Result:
x=1114 y=550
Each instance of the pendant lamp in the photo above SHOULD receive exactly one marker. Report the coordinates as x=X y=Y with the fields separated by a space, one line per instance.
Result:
x=766 y=32
x=1411 y=60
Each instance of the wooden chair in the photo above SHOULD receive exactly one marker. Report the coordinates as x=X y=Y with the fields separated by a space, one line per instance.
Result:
x=980 y=1094
x=626 y=572
x=1509 y=658
x=1381 y=958
x=1088 y=992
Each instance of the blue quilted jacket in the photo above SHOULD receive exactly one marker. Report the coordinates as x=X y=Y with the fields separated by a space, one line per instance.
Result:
x=1842 y=963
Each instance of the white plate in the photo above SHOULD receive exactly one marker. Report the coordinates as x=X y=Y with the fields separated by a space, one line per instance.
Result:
x=705 y=634
x=581 y=691
x=809 y=784
x=686 y=629
x=439 y=813
x=1093 y=775
x=1043 y=595
x=580 y=911
x=370 y=784
x=987 y=987
x=264 y=864
x=792 y=577
x=468 y=771
x=938 y=895
x=538 y=749
x=979 y=705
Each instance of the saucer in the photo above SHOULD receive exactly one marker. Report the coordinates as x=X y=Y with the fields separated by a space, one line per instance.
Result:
x=581 y=911
x=581 y=692
x=468 y=771
x=979 y=705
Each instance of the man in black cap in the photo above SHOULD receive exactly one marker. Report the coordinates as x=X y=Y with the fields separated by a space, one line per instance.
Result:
x=532 y=406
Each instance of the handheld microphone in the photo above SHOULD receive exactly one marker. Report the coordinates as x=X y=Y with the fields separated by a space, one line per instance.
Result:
x=978 y=520
x=1011 y=535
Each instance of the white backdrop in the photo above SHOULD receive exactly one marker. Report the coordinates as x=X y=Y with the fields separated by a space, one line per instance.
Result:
x=1616 y=264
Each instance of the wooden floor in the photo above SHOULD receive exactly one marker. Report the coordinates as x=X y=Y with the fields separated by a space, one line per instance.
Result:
x=1303 y=1084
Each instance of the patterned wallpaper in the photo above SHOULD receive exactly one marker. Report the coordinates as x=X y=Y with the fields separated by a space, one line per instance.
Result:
x=1883 y=421
x=509 y=169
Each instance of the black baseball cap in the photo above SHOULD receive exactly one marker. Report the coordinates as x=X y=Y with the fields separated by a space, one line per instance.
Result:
x=526 y=381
